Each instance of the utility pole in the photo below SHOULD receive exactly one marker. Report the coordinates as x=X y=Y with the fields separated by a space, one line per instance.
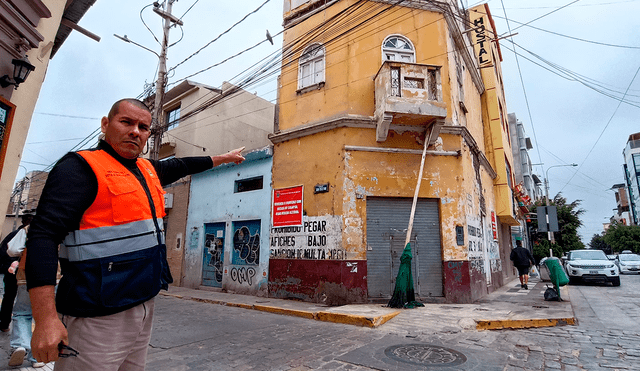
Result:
x=158 y=118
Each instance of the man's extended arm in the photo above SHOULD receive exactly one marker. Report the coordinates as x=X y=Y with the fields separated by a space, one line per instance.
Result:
x=173 y=169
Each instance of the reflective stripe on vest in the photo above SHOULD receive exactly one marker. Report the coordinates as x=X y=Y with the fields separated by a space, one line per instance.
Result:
x=120 y=219
x=110 y=241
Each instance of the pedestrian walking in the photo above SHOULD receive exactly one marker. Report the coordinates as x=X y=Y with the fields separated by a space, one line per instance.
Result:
x=523 y=260
x=105 y=207
x=20 y=340
x=10 y=282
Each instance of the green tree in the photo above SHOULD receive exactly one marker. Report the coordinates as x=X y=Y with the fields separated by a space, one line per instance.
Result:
x=623 y=237
x=541 y=249
x=598 y=243
x=568 y=221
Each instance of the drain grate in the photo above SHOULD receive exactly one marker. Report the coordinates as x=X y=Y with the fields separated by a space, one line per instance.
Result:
x=425 y=354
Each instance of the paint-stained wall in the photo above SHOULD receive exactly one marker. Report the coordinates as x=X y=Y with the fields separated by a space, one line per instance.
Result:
x=213 y=199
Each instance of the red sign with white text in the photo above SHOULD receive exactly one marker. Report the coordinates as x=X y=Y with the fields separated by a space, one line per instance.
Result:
x=287 y=206
x=494 y=226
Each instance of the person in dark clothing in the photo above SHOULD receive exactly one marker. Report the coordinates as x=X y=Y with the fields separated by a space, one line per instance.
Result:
x=523 y=260
x=104 y=207
x=10 y=282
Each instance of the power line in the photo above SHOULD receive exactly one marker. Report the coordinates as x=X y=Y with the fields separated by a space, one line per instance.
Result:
x=605 y=127
x=55 y=141
x=582 y=5
x=145 y=23
x=192 y=5
x=68 y=116
x=571 y=37
x=567 y=74
x=219 y=36
x=524 y=90
x=542 y=16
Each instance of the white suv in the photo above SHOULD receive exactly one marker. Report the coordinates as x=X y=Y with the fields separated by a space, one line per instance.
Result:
x=591 y=265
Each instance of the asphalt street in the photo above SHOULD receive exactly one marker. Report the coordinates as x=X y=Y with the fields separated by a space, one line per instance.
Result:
x=190 y=335
x=199 y=336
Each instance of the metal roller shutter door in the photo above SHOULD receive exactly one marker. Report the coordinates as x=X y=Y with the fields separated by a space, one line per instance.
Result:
x=387 y=221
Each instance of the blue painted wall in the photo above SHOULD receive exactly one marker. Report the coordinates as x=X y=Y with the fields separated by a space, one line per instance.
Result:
x=239 y=221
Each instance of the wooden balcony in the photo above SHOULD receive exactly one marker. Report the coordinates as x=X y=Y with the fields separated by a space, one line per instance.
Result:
x=408 y=94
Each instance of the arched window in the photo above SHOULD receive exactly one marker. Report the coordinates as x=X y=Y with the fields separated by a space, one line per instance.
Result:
x=398 y=48
x=311 y=71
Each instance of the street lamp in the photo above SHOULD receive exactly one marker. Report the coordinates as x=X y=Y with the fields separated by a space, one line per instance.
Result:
x=546 y=186
x=21 y=70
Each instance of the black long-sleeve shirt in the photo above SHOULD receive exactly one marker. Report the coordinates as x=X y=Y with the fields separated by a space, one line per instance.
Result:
x=70 y=189
x=520 y=257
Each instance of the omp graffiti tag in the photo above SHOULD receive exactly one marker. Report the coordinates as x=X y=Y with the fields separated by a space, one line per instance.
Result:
x=243 y=274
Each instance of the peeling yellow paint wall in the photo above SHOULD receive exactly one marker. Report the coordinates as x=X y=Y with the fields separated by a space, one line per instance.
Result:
x=352 y=63
x=328 y=133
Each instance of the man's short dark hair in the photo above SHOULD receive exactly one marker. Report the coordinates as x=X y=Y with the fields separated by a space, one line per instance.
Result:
x=135 y=102
x=518 y=243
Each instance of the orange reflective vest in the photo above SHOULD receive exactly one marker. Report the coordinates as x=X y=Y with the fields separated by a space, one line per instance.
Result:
x=117 y=257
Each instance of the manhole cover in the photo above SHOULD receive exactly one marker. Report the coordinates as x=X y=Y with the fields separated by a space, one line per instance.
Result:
x=425 y=354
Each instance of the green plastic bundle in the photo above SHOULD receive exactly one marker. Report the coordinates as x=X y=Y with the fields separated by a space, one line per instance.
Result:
x=404 y=295
x=556 y=274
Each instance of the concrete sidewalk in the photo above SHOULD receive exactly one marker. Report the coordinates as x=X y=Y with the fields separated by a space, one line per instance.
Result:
x=508 y=307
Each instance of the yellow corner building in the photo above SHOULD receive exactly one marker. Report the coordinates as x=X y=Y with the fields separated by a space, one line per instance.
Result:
x=364 y=85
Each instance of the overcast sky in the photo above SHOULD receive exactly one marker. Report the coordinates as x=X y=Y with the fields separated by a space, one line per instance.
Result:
x=594 y=41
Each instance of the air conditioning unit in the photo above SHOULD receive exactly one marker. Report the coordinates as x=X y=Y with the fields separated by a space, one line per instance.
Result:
x=168 y=200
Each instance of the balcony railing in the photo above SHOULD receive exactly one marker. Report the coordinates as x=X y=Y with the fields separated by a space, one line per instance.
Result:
x=408 y=94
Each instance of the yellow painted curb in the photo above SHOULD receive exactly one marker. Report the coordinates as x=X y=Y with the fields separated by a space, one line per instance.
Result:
x=239 y=305
x=523 y=323
x=350 y=319
x=291 y=312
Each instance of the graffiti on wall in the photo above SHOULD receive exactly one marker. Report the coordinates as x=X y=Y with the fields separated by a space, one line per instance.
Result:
x=496 y=265
x=319 y=237
x=246 y=243
x=476 y=246
x=215 y=254
x=243 y=275
x=456 y=271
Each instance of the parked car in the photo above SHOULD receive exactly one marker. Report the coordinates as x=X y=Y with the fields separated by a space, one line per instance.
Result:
x=628 y=263
x=591 y=266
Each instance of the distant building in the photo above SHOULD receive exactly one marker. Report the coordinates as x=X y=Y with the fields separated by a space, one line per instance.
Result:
x=25 y=196
x=528 y=185
x=631 y=155
x=521 y=145
x=203 y=120
x=623 y=215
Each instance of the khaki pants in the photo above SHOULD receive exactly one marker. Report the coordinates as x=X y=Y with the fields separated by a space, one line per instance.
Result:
x=117 y=342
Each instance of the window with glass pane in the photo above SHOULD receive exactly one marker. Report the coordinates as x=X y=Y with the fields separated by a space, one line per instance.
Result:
x=398 y=48
x=311 y=70
x=173 y=118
